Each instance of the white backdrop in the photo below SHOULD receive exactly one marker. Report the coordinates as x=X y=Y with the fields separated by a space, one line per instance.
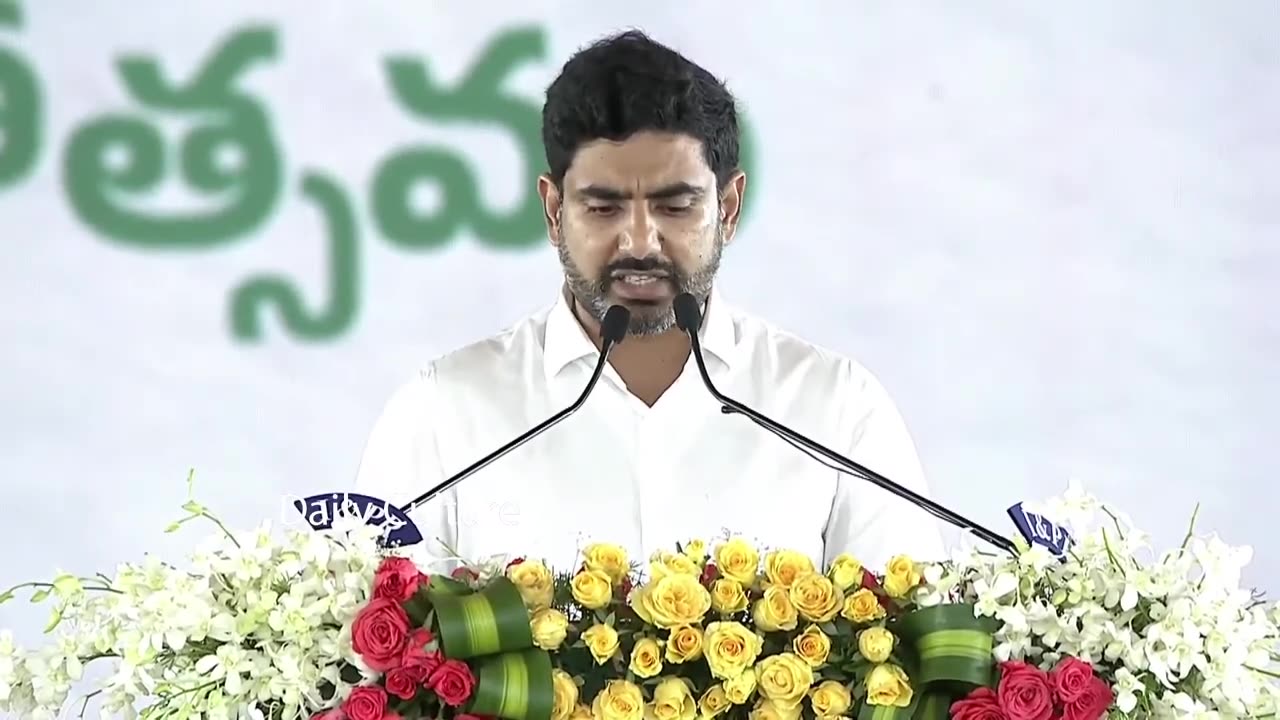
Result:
x=1053 y=232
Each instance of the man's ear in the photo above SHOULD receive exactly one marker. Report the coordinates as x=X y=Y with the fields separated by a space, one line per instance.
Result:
x=551 y=204
x=731 y=198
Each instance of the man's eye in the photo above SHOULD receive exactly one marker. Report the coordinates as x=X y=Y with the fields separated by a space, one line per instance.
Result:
x=676 y=209
x=602 y=209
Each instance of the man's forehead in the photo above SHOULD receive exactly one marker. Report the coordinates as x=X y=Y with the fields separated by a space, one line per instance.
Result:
x=641 y=164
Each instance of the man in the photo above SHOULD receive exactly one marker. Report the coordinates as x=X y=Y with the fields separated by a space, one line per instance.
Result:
x=642 y=195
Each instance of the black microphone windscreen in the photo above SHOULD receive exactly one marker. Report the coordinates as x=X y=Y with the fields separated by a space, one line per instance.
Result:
x=688 y=316
x=617 y=319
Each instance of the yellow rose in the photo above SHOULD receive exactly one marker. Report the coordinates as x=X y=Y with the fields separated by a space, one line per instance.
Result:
x=672 y=601
x=737 y=560
x=565 y=692
x=665 y=563
x=602 y=641
x=830 y=699
x=862 y=607
x=845 y=571
x=730 y=648
x=815 y=598
x=618 y=700
x=767 y=709
x=646 y=658
x=608 y=559
x=784 y=678
x=887 y=685
x=549 y=628
x=592 y=588
x=534 y=581
x=783 y=567
x=875 y=644
x=727 y=596
x=738 y=689
x=582 y=712
x=901 y=576
x=713 y=702
x=774 y=611
x=696 y=550
x=672 y=700
x=684 y=644
x=813 y=646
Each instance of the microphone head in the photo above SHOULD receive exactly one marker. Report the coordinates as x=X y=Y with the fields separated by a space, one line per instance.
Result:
x=688 y=314
x=614 y=326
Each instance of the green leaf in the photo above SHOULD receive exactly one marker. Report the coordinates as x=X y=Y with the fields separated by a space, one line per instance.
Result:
x=40 y=595
x=193 y=507
x=55 y=619
x=173 y=527
x=6 y=596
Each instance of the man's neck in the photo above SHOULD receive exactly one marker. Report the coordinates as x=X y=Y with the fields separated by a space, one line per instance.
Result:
x=649 y=364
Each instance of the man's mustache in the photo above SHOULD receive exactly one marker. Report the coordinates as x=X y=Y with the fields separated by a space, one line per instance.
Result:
x=641 y=265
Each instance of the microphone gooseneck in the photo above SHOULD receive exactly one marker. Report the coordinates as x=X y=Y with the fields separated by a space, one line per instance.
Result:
x=613 y=328
x=689 y=319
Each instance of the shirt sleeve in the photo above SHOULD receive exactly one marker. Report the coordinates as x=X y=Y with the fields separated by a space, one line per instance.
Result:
x=866 y=521
x=401 y=461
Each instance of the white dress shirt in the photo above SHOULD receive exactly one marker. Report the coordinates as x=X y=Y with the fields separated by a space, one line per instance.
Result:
x=645 y=477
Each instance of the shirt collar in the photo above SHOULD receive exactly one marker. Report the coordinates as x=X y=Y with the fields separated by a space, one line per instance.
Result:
x=567 y=342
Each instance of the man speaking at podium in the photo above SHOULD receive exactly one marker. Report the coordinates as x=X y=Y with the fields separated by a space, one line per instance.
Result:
x=642 y=195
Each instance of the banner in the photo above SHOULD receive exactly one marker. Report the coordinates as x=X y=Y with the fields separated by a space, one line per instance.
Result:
x=228 y=230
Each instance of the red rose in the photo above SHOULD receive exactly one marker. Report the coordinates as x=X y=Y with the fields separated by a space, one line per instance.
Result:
x=870 y=582
x=709 y=574
x=416 y=665
x=1071 y=679
x=424 y=665
x=464 y=574
x=981 y=704
x=334 y=714
x=1093 y=704
x=453 y=682
x=404 y=681
x=367 y=702
x=397 y=578
x=1024 y=692
x=415 y=647
x=379 y=634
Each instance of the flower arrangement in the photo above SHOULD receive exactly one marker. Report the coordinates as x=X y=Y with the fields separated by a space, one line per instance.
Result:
x=332 y=626
x=1174 y=633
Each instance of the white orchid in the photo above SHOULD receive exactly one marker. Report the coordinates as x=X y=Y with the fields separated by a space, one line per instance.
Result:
x=1174 y=633
x=258 y=621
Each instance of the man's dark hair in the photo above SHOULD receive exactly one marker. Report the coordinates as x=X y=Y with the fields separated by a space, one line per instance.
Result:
x=628 y=83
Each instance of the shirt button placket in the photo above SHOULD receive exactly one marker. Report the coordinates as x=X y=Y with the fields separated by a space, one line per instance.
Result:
x=648 y=501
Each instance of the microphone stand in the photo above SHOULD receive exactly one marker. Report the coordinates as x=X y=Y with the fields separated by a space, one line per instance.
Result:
x=613 y=328
x=689 y=318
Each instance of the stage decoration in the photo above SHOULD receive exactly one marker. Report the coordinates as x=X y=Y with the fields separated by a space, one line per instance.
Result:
x=336 y=624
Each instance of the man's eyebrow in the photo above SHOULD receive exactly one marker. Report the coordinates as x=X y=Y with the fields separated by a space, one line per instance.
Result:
x=666 y=192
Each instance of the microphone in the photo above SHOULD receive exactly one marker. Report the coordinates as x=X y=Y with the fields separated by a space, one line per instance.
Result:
x=689 y=319
x=613 y=328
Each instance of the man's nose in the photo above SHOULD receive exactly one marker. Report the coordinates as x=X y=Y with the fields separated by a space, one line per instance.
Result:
x=640 y=237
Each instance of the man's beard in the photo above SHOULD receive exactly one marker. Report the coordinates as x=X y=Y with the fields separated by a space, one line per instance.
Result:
x=593 y=295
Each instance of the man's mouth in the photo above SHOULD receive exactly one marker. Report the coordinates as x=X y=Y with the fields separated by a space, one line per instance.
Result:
x=643 y=286
x=638 y=278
